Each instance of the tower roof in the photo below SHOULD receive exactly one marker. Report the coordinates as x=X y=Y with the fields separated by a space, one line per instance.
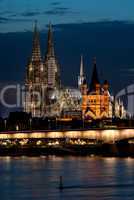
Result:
x=50 y=43
x=106 y=82
x=51 y=64
x=35 y=62
x=81 y=78
x=36 y=52
x=81 y=67
x=95 y=78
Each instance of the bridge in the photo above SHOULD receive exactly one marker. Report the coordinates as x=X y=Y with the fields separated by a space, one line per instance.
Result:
x=104 y=135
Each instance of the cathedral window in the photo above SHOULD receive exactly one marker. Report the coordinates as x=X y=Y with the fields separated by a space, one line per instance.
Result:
x=30 y=69
x=41 y=69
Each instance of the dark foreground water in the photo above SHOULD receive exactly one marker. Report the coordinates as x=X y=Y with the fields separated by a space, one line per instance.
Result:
x=84 y=178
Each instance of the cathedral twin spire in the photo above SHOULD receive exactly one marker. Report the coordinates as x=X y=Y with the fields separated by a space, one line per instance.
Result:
x=50 y=66
x=36 y=52
x=41 y=75
x=39 y=69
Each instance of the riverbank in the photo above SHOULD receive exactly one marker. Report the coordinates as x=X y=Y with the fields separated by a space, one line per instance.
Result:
x=106 y=150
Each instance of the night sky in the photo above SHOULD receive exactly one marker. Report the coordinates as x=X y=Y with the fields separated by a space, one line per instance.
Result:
x=17 y=15
x=101 y=28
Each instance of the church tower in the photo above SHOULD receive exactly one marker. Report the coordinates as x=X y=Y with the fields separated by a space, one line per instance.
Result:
x=96 y=104
x=35 y=81
x=95 y=83
x=51 y=65
x=82 y=83
x=81 y=77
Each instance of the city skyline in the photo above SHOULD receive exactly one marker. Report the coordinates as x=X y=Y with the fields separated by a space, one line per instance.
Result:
x=105 y=25
x=66 y=99
x=109 y=39
x=102 y=37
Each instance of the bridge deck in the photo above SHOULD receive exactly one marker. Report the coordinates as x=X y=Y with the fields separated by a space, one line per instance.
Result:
x=106 y=135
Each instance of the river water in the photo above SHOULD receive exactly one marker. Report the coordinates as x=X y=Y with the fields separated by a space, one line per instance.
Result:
x=84 y=178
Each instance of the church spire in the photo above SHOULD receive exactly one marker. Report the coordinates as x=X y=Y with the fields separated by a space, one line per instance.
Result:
x=50 y=44
x=36 y=52
x=95 y=78
x=35 y=64
x=81 y=78
x=35 y=81
x=81 y=67
x=51 y=64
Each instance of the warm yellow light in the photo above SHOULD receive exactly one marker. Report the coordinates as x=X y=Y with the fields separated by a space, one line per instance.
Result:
x=109 y=136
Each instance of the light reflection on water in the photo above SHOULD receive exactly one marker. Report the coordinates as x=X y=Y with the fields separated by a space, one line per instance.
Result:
x=90 y=178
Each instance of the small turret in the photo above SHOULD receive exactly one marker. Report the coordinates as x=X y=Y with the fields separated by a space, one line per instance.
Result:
x=84 y=88
x=106 y=86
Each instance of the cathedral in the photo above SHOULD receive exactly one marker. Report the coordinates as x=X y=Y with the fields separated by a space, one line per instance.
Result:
x=42 y=76
x=46 y=97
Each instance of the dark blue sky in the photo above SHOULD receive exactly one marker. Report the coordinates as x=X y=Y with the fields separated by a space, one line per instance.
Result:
x=18 y=15
x=111 y=42
x=102 y=28
x=93 y=24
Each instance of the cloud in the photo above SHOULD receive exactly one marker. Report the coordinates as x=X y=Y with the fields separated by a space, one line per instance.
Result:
x=61 y=8
x=58 y=11
x=20 y=20
x=13 y=15
x=56 y=3
x=7 y=16
x=54 y=11
x=3 y=20
x=30 y=13
x=5 y=12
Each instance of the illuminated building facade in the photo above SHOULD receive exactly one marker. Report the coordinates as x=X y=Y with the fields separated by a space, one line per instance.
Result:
x=46 y=98
x=41 y=77
x=51 y=65
x=97 y=103
x=35 y=82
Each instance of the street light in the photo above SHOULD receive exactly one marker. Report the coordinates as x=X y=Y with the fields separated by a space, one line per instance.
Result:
x=17 y=127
